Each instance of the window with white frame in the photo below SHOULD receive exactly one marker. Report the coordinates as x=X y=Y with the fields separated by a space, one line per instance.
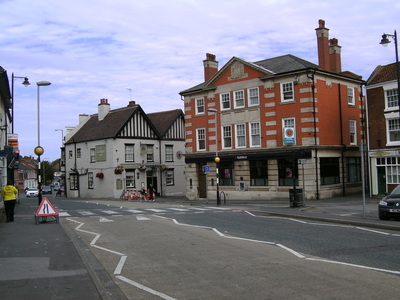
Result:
x=78 y=153
x=150 y=153
x=240 y=136
x=73 y=181
x=90 y=180
x=201 y=139
x=227 y=136
x=255 y=140
x=200 y=106
x=225 y=101
x=129 y=152
x=350 y=96
x=239 y=98
x=169 y=153
x=92 y=155
x=254 y=98
x=289 y=131
x=353 y=132
x=287 y=91
x=392 y=166
x=130 y=178
x=392 y=98
x=393 y=130
x=169 y=177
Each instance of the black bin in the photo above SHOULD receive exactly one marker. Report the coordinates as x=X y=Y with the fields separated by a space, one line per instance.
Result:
x=296 y=200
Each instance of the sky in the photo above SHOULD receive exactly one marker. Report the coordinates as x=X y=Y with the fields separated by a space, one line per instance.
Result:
x=149 y=51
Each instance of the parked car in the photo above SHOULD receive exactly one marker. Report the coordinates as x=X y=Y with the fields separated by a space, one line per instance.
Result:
x=389 y=206
x=47 y=190
x=32 y=192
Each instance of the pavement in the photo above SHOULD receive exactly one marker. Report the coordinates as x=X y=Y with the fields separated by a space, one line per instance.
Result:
x=47 y=260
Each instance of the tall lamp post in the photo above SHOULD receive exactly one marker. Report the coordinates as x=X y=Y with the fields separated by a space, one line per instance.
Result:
x=216 y=159
x=25 y=83
x=384 y=42
x=39 y=150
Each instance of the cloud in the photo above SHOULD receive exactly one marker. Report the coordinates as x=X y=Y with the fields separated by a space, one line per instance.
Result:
x=97 y=49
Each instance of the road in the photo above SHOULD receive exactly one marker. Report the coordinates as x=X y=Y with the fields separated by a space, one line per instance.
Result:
x=152 y=253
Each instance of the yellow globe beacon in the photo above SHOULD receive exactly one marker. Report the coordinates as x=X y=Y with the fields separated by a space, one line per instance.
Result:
x=217 y=159
x=38 y=150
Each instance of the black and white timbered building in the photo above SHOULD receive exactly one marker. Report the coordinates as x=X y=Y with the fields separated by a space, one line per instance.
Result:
x=125 y=149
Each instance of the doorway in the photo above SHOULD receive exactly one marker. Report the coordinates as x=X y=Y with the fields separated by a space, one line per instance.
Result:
x=381 y=173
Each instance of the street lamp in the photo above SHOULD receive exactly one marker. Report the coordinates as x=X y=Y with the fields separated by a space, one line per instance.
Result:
x=25 y=83
x=39 y=150
x=384 y=42
x=216 y=159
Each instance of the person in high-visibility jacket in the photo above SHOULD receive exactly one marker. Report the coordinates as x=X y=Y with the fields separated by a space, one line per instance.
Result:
x=9 y=193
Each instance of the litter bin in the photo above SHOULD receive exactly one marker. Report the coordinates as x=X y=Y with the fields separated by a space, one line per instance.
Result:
x=296 y=200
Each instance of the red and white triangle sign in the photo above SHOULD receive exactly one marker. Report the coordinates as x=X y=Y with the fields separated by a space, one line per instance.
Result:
x=46 y=209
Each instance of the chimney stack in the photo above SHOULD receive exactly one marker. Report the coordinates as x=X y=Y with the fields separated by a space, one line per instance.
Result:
x=104 y=109
x=210 y=66
x=329 y=51
x=335 y=60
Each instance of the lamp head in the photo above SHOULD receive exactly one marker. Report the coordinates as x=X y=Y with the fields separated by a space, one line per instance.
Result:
x=43 y=83
x=217 y=159
x=26 y=82
x=385 y=41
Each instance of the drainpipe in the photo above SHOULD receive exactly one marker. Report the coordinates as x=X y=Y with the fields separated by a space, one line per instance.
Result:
x=341 y=140
x=161 y=175
x=312 y=77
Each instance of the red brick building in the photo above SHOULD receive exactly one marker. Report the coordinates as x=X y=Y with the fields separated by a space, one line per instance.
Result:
x=383 y=129
x=275 y=124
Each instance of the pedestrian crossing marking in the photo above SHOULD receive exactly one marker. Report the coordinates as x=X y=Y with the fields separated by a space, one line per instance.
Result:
x=86 y=213
x=110 y=212
x=179 y=209
x=64 y=214
x=102 y=219
x=156 y=210
x=134 y=211
x=142 y=218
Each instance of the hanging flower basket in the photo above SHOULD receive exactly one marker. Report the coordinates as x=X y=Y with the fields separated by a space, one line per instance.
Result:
x=118 y=170
x=100 y=175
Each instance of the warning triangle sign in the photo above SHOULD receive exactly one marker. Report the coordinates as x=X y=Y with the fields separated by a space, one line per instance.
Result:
x=46 y=209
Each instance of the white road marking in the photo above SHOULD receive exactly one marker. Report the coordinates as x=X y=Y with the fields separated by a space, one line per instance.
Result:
x=142 y=218
x=135 y=211
x=110 y=212
x=86 y=213
x=64 y=214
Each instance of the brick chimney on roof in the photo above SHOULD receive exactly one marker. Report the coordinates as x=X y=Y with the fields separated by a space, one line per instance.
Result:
x=210 y=66
x=103 y=108
x=329 y=51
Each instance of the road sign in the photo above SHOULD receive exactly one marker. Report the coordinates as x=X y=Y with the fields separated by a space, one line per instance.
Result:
x=45 y=209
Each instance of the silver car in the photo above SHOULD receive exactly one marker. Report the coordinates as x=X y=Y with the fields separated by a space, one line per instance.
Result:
x=32 y=192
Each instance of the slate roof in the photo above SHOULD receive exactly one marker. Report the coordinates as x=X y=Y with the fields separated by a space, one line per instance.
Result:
x=116 y=119
x=162 y=121
x=271 y=67
x=383 y=74
x=285 y=63
x=109 y=127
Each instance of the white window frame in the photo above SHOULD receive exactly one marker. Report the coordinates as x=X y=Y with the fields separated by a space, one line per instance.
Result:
x=242 y=136
x=284 y=90
x=254 y=99
x=130 y=181
x=351 y=96
x=255 y=134
x=200 y=106
x=391 y=95
x=92 y=155
x=169 y=177
x=225 y=98
x=390 y=117
x=129 y=152
x=169 y=153
x=289 y=123
x=353 y=132
x=236 y=98
x=200 y=132
x=226 y=134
